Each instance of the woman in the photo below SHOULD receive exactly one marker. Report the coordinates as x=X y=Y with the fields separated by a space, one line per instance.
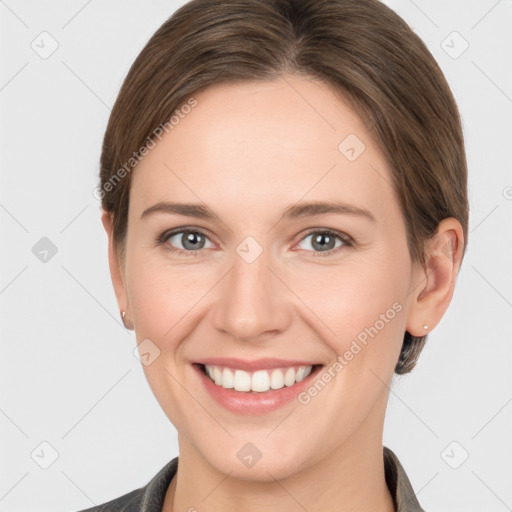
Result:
x=283 y=185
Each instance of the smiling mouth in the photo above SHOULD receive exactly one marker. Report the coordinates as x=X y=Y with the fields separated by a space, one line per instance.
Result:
x=260 y=381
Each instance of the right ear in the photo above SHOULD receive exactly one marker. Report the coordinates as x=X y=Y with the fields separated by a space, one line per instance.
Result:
x=116 y=268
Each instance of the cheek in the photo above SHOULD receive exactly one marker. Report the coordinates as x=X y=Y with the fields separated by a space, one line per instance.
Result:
x=164 y=302
x=359 y=312
x=166 y=297
x=361 y=301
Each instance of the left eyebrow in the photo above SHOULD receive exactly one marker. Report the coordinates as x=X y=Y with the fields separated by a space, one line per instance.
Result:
x=321 y=207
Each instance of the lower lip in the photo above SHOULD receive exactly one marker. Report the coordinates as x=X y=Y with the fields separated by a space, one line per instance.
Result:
x=246 y=402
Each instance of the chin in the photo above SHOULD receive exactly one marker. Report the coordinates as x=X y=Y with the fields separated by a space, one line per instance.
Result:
x=258 y=462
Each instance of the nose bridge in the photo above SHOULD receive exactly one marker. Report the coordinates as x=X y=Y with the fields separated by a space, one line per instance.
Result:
x=252 y=301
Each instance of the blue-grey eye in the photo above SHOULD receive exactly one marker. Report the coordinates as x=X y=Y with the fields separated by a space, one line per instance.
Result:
x=322 y=241
x=190 y=240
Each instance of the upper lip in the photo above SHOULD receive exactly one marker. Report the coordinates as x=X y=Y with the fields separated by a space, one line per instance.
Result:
x=255 y=364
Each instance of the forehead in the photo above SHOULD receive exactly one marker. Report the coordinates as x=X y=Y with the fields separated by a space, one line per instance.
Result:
x=264 y=143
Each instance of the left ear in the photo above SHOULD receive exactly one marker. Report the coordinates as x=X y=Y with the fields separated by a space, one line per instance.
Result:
x=434 y=284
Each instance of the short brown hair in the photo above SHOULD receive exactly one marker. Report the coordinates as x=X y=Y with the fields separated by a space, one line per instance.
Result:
x=361 y=48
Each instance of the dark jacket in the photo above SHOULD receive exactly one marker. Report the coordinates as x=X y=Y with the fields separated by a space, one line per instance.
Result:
x=150 y=498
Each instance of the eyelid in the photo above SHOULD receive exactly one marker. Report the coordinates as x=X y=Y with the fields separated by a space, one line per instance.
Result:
x=340 y=234
x=191 y=229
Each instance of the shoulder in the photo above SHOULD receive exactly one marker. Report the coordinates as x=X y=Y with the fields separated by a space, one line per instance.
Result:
x=149 y=497
x=399 y=484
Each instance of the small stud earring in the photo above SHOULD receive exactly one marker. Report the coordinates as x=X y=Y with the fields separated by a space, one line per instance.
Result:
x=425 y=327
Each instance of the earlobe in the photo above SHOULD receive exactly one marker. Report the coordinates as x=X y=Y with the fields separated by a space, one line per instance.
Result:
x=434 y=284
x=116 y=271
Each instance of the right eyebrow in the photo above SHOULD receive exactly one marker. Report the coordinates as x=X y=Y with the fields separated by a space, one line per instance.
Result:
x=187 y=209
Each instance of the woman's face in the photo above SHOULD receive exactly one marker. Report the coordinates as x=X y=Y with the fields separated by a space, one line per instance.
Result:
x=259 y=277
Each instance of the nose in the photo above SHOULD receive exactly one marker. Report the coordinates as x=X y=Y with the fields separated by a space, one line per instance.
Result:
x=253 y=303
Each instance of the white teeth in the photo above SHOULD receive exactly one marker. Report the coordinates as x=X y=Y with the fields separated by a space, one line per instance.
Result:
x=242 y=381
x=289 y=377
x=259 y=381
x=276 y=379
x=228 y=379
x=301 y=372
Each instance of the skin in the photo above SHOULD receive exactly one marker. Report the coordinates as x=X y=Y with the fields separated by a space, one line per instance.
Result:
x=248 y=151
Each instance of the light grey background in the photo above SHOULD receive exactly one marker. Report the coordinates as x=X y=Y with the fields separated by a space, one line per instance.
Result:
x=68 y=375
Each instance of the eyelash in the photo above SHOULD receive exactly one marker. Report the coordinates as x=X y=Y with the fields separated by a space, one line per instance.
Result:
x=162 y=241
